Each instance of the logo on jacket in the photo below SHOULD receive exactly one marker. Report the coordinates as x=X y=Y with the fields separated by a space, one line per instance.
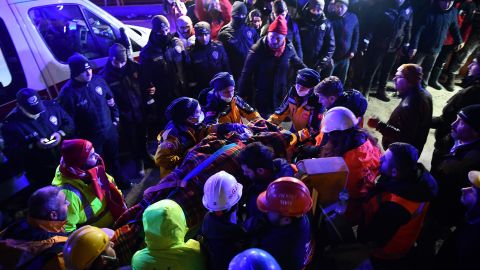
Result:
x=33 y=100
x=53 y=119
x=99 y=90
x=323 y=26
x=249 y=34
x=408 y=11
x=215 y=55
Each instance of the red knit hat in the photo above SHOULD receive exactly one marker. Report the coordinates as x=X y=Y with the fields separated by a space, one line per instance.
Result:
x=279 y=26
x=75 y=152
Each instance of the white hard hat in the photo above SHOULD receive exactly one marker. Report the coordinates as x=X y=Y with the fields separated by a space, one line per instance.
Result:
x=338 y=118
x=221 y=192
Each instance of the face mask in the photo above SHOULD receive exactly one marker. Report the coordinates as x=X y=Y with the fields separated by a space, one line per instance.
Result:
x=238 y=21
x=29 y=115
x=197 y=119
x=303 y=93
x=226 y=99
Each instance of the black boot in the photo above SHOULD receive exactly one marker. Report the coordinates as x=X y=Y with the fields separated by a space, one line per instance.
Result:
x=449 y=83
x=382 y=95
x=433 y=81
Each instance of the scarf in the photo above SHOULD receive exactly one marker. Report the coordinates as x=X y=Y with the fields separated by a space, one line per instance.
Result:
x=97 y=179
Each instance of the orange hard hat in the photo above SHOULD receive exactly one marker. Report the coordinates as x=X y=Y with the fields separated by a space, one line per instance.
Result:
x=287 y=195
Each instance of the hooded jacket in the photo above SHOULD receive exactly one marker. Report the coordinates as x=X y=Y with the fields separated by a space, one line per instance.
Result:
x=165 y=229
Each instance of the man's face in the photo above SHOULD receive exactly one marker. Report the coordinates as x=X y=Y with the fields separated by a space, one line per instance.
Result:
x=203 y=38
x=317 y=10
x=227 y=93
x=249 y=173
x=474 y=68
x=63 y=206
x=85 y=76
x=461 y=131
x=257 y=22
x=197 y=116
x=401 y=84
x=302 y=90
x=275 y=40
x=340 y=8
x=387 y=164
x=184 y=28
x=327 y=102
x=164 y=30
x=118 y=63
x=92 y=159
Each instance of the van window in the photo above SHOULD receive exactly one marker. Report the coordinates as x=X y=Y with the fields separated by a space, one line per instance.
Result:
x=66 y=30
x=12 y=77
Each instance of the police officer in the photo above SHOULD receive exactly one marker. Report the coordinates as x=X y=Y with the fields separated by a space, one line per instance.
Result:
x=204 y=59
x=33 y=132
x=89 y=100
x=161 y=62
x=237 y=38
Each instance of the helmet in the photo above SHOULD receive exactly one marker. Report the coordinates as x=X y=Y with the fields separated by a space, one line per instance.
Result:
x=338 y=118
x=286 y=195
x=84 y=246
x=254 y=259
x=221 y=191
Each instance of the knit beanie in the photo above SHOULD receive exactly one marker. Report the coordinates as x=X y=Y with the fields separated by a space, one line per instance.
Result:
x=239 y=9
x=279 y=26
x=75 y=152
x=308 y=77
x=471 y=116
x=159 y=22
x=279 y=6
x=118 y=51
x=314 y=3
x=221 y=81
x=180 y=109
x=202 y=28
x=78 y=64
x=412 y=73
x=345 y=2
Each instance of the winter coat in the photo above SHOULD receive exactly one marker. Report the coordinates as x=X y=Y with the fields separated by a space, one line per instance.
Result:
x=222 y=240
x=125 y=85
x=91 y=105
x=264 y=79
x=21 y=135
x=394 y=213
x=430 y=30
x=165 y=229
x=217 y=110
x=85 y=207
x=304 y=112
x=410 y=121
x=203 y=62
x=318 y=41
x=237 y=43
x=346 y=30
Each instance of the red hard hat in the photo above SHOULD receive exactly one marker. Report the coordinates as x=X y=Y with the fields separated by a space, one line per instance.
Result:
x=287 y=195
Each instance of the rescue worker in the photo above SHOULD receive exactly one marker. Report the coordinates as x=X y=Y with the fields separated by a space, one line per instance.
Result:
x=162 y=73
x=215 y=12
x=318 y=40
x=395 y=209
x=222 y=105
x=264 y=78
x=122 y=76
x=429 y=33
x=37 y=241
x=254 y=258
x=411 y=119
x=223 y=237
x=90 y=248
x=254 y=20
x=389 y=33
x=293 y=34
x=91 y=104
x=301 y=105
x=204 y=59
x=260 y=167
x=346 y=29
x=165 y=229
x=33 y=132
x=183 y=131
x=185 y=31
x=237 y=38
x=93 y=197
x=285 y=230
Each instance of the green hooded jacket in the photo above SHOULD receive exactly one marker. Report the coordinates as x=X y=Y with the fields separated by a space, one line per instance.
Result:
x=165 y=228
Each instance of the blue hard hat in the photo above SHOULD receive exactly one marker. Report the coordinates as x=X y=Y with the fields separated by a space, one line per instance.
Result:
x=254 y=259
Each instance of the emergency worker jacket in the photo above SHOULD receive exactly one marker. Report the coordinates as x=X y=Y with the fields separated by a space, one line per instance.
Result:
x=220 y=111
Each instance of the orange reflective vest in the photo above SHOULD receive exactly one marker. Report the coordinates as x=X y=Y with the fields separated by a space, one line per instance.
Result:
x=401 y=242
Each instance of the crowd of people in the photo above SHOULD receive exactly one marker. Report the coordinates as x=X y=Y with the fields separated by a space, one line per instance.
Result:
x=235 y=94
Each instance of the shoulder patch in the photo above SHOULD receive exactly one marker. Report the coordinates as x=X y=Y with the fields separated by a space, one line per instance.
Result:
x=178 y=49
x=215 y=55
x=53 y=119
x=99 y=90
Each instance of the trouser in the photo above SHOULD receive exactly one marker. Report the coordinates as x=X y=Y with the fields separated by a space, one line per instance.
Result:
x=135 y=138
x=379 y=61
x=443 y=55
x=340 y=69
x=426 y=60
x=460 y=58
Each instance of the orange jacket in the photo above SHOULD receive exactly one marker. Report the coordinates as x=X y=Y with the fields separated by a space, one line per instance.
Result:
x=232 y=113
x=400 y=244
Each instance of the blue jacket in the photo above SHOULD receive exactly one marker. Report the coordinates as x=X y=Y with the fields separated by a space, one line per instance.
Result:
x=346 y=30
x=430 y=30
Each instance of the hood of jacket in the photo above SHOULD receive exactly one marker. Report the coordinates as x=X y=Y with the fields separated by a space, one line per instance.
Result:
x=165 y=225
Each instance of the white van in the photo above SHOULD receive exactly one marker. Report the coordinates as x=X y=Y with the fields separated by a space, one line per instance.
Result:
x=38 y=36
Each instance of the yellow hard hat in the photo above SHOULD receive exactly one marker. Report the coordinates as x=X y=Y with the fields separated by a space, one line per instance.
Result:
x=83 y=247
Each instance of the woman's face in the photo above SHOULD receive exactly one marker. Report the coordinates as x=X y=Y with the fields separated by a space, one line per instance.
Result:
x=197 y=116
